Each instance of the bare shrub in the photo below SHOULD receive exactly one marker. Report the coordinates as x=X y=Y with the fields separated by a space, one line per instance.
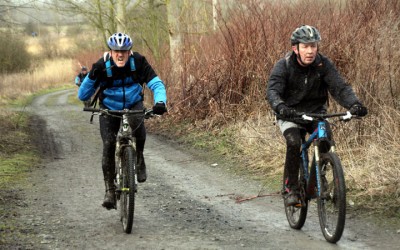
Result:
x=48 y=74
x=225 y=77
x=14 y=56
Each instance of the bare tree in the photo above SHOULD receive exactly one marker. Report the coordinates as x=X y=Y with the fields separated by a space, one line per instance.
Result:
x=107 y=16
x=9 y=9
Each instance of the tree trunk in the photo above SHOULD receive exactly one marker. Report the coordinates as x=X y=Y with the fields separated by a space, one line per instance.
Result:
x=121 y=16
x=175 y=39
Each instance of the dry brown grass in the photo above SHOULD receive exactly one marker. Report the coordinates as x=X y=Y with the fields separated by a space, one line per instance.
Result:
x=50 y=73
x=33 y=46
x=225 y=75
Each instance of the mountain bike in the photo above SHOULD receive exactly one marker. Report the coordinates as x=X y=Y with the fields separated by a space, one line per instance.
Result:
x=125 y=162
x=323 y=180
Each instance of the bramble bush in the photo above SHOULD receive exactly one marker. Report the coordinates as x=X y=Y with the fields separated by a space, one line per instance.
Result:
x=225 y=73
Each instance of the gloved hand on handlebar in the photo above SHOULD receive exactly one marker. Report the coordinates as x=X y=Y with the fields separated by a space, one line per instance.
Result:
x=159 y=108
x=358 y=110
x=286 y=111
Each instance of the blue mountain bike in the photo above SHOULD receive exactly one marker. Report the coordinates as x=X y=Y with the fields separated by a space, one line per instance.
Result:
x=323 y=180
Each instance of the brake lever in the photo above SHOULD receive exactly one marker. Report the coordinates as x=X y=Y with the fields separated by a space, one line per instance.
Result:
x=347 y=117
x=306 y=117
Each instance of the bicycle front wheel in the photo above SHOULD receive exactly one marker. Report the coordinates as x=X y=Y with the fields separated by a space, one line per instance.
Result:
x=128 y=188
x=332 y=199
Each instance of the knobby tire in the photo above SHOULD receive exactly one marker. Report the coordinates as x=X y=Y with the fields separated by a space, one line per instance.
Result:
x=127 y=199
x=332 y=201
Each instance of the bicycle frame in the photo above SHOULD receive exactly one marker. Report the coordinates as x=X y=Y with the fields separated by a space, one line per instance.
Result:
x=124 y=136
x=124 y=139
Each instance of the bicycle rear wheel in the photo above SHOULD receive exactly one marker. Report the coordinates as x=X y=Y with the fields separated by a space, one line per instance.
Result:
x=296 y=215
x=128 y=188
x=332 y=201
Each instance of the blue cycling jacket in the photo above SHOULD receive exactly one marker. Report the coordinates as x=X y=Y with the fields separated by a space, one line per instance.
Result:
x=124 y=88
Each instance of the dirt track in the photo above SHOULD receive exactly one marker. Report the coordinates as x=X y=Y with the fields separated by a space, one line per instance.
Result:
x=186 y=203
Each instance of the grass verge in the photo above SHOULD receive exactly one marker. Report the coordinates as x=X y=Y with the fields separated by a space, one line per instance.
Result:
x=17 y=158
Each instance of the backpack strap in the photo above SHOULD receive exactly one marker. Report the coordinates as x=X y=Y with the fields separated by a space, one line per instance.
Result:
x=106 y=57
x=132 y=62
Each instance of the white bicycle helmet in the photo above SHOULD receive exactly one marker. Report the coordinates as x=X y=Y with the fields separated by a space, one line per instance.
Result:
x=119 y=41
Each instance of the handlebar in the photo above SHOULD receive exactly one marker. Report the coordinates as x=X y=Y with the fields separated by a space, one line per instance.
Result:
x=342 y=116
x=146 y=112
x=347 y=116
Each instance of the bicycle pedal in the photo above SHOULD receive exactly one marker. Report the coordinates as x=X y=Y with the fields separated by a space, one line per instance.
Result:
x=298 y=205
x=110 y=207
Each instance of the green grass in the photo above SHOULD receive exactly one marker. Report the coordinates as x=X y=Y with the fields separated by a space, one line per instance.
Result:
x=13 y=169
x=17 y=154
x=17 y=158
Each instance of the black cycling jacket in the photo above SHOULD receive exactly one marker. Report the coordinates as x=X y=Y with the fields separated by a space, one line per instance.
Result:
x=306 y=88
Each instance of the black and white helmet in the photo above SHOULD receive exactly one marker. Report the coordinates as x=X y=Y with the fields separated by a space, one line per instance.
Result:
x=119 y=41
x=305 y=34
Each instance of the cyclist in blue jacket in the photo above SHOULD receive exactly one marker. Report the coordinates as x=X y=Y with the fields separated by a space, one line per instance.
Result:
x=119 y=76
x=300 y=82
x=78 y=81
x=79 y=77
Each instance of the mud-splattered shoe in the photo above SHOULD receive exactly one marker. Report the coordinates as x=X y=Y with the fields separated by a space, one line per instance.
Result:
x=141 y=168
x=109 y=197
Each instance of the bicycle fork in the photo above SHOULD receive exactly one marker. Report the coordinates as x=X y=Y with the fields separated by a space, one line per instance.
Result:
x=321 y=137
x=313 y=175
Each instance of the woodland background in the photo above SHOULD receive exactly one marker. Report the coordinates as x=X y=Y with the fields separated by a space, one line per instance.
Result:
x=215 y=57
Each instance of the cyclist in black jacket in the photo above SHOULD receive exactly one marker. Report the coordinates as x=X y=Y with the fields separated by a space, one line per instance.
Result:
x=300 y=82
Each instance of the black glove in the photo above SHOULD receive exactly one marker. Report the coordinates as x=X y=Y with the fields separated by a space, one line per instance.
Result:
x=358 y=110
x=96 y=71
x=286 y=111
x=159 y=108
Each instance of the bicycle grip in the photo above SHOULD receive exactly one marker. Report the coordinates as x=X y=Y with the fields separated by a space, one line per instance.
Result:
x=91 y=109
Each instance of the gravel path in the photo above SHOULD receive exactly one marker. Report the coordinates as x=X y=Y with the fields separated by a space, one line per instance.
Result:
x=186 y=203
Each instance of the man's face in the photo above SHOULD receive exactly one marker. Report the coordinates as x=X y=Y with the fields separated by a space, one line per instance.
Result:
x=120 y=57
x=307 y=52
